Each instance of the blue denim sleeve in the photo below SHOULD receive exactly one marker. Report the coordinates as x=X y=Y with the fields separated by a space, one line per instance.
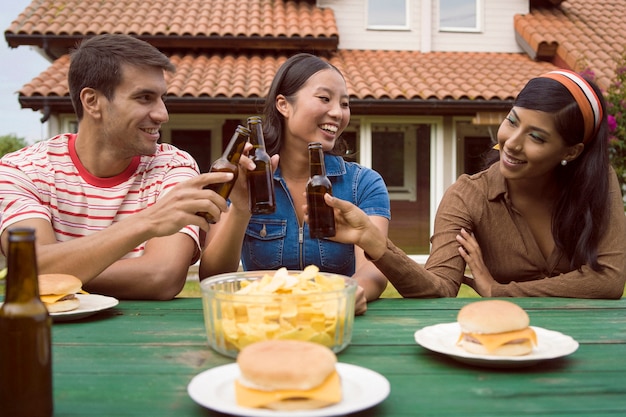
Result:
x=371 y=193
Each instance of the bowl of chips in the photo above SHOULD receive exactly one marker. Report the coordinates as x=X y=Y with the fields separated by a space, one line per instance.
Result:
x=241 y=308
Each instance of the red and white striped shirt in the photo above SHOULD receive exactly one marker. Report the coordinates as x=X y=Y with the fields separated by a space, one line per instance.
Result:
x=46 y=180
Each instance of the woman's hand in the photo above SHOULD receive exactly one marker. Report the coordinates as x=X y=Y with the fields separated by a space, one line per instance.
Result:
x=239 y=194
x=471 y=253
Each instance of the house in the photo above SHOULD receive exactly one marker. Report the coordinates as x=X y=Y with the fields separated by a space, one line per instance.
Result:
x=429 y=80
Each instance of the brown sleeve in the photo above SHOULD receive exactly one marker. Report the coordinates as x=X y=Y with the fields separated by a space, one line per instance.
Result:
x=411 y=279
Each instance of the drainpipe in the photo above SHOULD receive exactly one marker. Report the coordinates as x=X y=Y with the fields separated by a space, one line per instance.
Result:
x=46 y=114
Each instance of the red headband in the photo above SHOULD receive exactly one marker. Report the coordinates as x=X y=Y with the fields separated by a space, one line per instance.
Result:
x=585 y=97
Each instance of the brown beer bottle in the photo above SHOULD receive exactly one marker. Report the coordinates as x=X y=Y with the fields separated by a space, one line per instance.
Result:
x=25 y=335
x=321 y=216
x=260 y=180
x=228 y=162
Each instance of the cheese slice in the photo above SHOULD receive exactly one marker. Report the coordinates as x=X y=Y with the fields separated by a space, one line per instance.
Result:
x=329 y=392
x=493 y=341
x=52 y=298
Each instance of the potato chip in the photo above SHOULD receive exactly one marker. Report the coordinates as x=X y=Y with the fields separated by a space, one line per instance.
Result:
x=306 y=306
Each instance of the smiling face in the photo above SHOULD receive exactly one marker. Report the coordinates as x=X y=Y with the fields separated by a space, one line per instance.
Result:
x=132 y=118
x=530 y=146
x=319 y=111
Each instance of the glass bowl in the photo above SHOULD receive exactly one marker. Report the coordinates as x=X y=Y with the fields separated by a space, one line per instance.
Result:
x=234 y=319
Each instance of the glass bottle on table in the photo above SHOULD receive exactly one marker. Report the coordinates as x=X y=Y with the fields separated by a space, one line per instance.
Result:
x=321 y=216
x=260 y=180
x=25 y=334
x=228 y=162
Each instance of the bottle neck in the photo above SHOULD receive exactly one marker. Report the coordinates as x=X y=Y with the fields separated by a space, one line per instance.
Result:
x=316 y=162
x=235 y=147
x=21 y=283
x=256 y=135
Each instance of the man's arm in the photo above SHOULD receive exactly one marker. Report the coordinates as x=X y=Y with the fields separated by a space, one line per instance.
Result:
x=89 y=256
x=159 y=274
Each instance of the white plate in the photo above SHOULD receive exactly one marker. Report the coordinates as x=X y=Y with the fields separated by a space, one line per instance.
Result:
x=90 y=304
x=361 y=388
x=442 y=338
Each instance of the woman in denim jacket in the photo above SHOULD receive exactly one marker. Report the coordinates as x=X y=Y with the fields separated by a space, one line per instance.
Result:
x=308 y=102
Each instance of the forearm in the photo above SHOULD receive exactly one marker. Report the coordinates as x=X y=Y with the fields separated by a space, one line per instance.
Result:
x=371 y=279
x=586 y=284
x=373 y=242
x=158 y=274
x=223 y=251
x=411 y=279
x=86 y=257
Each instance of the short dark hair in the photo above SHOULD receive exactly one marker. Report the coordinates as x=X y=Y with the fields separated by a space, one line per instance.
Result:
x=289 y=79
x=97 y=61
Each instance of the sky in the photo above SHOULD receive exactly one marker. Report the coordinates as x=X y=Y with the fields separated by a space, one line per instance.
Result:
x=19 y=66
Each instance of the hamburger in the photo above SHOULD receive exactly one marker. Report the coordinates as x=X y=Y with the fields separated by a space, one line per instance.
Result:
x=287 y=375
x=495 y=327
x=58 y=292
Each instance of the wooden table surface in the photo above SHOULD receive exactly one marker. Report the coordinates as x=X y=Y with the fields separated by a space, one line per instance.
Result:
x=137 y=359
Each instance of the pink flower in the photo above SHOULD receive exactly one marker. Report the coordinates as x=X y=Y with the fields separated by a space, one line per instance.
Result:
x=612 y=123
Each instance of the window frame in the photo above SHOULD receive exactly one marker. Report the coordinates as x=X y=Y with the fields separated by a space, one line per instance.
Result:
x=461 y=29
x=404 y=26
x=408 y=190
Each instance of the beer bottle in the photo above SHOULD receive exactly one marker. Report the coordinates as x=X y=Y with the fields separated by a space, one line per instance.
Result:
x=321 y=216
x=25 y=335
x=228 y=162
x=260 y=180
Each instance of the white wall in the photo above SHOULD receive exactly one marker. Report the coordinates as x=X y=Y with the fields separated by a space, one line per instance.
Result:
x=497 y=34
x=351 y=17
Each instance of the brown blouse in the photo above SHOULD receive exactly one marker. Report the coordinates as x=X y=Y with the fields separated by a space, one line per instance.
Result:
x=480 y=204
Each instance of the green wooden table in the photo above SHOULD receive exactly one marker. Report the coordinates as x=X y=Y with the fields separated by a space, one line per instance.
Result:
x=138 y=358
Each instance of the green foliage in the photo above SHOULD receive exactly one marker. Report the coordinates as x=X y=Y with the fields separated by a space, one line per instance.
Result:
x=615 y=96
x=10 y=143
x=616 y=106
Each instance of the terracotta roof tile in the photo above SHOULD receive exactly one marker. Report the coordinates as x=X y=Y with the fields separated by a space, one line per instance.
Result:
x=369 y=74
x=265 y=18
x=589 y=33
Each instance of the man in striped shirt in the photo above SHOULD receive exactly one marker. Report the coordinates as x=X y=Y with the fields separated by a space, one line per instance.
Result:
x=110 y=204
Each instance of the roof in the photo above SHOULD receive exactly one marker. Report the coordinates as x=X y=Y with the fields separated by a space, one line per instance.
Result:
x=579 y=34
x=370 y=75
x=217 y=24
x=226 y=58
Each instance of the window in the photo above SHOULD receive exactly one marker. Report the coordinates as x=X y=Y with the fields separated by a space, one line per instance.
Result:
x=394 y=152
x=387 y=14
x=400 y=152
x=459 y=15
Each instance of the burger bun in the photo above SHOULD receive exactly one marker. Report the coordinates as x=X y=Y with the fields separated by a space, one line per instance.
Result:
x=56 y=284
x=289 y=365
x=285 y=365
x=491 y=317
x=64 y=285
x=61 y=306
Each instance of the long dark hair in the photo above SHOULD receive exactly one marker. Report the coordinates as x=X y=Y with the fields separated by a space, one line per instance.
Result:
x=581 y=212
x=289 y=79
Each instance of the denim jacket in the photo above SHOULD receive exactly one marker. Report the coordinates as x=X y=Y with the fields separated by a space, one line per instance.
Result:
x=276 y=240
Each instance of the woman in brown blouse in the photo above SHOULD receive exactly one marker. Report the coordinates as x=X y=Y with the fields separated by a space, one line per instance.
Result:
x=547 y=219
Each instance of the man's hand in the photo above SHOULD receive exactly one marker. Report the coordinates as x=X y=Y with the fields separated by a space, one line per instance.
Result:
x=179 y=206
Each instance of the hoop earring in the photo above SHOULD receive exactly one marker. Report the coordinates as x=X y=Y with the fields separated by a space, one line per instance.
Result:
x=564 y=162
